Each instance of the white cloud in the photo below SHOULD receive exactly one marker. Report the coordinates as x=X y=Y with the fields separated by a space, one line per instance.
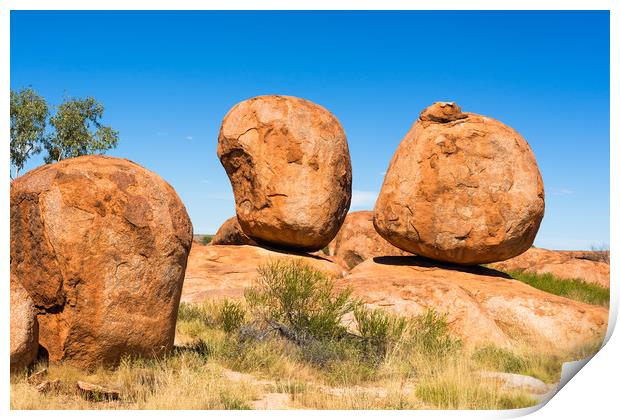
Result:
x=363 y=200
x=205 y=181
x=562 y=191
x=188 y=137
x=226 y=196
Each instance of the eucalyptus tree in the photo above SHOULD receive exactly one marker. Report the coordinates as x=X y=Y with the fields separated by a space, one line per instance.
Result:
x=29 y=112
x=78 y=130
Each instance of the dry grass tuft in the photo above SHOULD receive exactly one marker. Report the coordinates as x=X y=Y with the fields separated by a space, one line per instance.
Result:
x=236 y=355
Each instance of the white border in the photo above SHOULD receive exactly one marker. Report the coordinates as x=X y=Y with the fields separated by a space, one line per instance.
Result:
x=594 y=393
x=307 y=5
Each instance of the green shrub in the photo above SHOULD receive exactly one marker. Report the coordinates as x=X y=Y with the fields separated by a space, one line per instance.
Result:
x=301 y=299
x=206 y=239
x=500 y=359
x=195 y=313
x=546 y=367
x=379 y=330
x=231 y=316
x=429 y=334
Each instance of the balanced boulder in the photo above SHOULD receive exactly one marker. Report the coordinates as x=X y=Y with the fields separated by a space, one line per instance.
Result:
x=289 y=166
x=101 y=246
x=357 y=240
x=24 y=329
x=461 y=188
x=230 y=233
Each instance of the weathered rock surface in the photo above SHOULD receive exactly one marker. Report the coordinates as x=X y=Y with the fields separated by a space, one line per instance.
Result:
x=289 y=166
x=96 y=392
x=357 y=240
x=561 y=264
x=224 y=271
x=599 y=256
x=101 y=246
x=24 y=329
x=481 y=305
x=461 y=188
x=517 y=382
x=230 y=233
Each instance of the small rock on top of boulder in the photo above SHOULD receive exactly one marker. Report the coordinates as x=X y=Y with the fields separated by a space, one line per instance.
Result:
x=230 y=233
x=461 y=188
x=24 y=328
x=288 y=162
x=357 y=240
x=482 y=306
x=101 y=246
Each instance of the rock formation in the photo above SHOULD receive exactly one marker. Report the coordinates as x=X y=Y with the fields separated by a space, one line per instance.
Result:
x=288 y=163
x=101 y=246
x=224 y=271
x=230 y=233
x=24 y=329
x=481 y=305
x=562 y=264
x=461 y=188
x=357 y=240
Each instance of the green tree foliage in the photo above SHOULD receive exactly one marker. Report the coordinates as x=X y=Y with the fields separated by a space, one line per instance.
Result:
x=78 y=131
x=29 y=113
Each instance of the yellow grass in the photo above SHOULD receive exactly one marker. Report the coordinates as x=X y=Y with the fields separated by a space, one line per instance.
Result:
x=223 y=374
x=223 y=361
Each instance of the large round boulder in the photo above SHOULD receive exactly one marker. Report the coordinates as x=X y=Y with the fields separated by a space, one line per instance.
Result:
x=288 y=162
x=461 y=188
x=101 y=246
x=357 y=240
x=230 y=233
x=24 y=329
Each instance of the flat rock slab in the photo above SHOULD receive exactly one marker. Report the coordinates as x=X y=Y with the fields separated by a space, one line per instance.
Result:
x=514 y=381
x=225 y=271
x=93 y=392
x=482 y=305
x=562 y=264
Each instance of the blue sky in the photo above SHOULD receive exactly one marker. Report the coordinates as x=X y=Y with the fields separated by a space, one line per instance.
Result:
x=168 y=78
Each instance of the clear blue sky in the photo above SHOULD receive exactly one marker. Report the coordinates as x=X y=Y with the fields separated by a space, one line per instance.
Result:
x=168 y=78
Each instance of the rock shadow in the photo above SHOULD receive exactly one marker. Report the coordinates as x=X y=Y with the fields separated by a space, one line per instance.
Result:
x=291 y=251
x=417 y=261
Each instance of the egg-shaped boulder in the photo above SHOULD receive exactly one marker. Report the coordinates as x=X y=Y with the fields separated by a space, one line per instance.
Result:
x=288 y=162
x=461 y=188
x=101 y=246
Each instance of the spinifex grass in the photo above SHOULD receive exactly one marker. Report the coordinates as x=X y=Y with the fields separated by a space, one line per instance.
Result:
x=575 y=289
x=290 y=339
